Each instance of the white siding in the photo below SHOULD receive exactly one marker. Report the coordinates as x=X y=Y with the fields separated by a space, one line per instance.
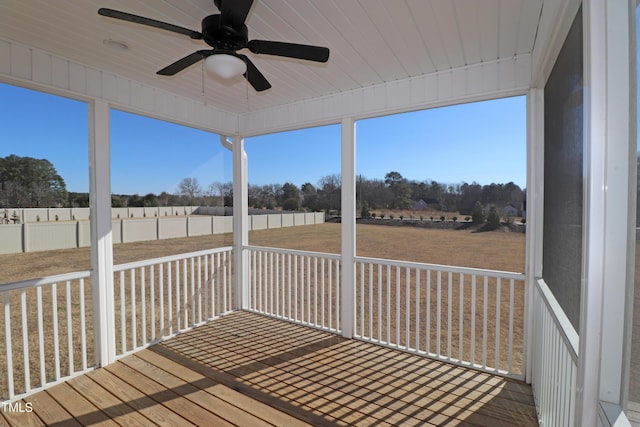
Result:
x=476 y=82
x=42 y=70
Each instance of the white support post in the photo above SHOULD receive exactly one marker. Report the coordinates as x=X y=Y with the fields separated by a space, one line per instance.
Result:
x=348 y=208
x=534 y=212
x=240 y=223
x=609 y=225
x=101 y=239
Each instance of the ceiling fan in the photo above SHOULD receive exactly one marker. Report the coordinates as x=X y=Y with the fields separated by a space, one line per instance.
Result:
x=227 y=33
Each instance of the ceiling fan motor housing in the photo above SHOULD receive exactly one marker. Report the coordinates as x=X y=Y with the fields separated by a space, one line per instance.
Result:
x=223 y=37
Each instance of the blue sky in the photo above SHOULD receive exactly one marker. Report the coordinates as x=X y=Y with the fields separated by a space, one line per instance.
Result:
x=483 y=142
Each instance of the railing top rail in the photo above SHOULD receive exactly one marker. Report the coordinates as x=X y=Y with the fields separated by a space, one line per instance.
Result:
x=445 y=268
x=569 y=334
x=292 y=252
x=45 y=280
x=170 y=258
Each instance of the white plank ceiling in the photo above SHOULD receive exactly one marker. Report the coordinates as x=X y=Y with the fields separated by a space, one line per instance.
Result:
x=371 y=41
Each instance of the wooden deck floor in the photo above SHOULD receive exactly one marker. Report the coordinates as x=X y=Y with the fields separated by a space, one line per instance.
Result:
x=249 y=370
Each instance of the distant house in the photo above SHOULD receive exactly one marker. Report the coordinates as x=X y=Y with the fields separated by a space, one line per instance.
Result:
x=422 y=204
x=509 y=210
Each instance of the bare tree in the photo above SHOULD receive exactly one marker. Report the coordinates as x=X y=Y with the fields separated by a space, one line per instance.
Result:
x=220 y=192
x=190 y=189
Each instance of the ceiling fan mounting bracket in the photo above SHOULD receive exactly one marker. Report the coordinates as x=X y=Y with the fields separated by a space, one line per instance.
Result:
x=223 y=37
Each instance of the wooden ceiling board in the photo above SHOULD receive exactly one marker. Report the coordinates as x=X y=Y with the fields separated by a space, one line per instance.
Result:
x=467 y=22
x=508 y=20
x=447 y=27
x=399 y=30
x=528 y=27
x=426 y=23
x=488 y=33
x=346 y=65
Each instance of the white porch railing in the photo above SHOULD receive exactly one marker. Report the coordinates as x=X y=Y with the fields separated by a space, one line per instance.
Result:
x=466 y=316
x=46 y=326
x=471 y=317
x=299 y=286
x=48 y=333
x=158 y=298
x=555 y=360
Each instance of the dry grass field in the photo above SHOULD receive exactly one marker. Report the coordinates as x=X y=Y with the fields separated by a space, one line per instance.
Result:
x=497 y=250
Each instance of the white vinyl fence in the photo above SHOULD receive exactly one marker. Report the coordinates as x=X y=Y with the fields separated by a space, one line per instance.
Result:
x=68 y=234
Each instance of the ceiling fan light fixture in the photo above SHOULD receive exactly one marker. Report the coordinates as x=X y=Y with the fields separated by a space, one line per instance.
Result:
x=225 y=66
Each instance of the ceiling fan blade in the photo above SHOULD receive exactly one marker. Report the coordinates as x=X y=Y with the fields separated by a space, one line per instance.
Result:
x=124 y=16
x=290 y=50
x=183 y=63
x=234 y=12
x=254 y=76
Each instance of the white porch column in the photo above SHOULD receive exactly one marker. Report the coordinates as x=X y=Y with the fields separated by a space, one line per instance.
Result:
x=535 y=212
x=609 y=220
x=240 y=223
x=348 y=223
x=101 y=239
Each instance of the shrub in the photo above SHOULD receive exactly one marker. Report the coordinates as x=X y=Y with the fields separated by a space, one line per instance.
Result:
x=421 y=218
x=523 y=221
x=455 y=218
x=443 y=218
x=382 y=215
x=37 y=218
x=401 y=217
x=467 y=218
x=364 y=212
x=291 y=204
x=391 y=216
x=477 y=215
x=431 y=217
x=493 y=217
x=57 y=218
x=508 y=219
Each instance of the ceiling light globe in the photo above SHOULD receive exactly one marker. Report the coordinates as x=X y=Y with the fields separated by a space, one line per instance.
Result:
x=225 y=66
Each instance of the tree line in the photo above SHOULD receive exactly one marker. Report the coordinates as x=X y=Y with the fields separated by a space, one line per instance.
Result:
x=393 y=192
x=28 y=182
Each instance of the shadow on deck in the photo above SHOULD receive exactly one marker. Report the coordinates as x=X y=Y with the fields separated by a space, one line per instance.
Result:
x=249 y=370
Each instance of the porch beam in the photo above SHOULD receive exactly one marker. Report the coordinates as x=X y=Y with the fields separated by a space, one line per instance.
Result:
x=101 y=238
x=240 y=223
x=609 y=220
x=348 y=224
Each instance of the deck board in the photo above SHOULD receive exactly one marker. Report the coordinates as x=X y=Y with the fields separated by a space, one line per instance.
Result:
x=246 y=369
